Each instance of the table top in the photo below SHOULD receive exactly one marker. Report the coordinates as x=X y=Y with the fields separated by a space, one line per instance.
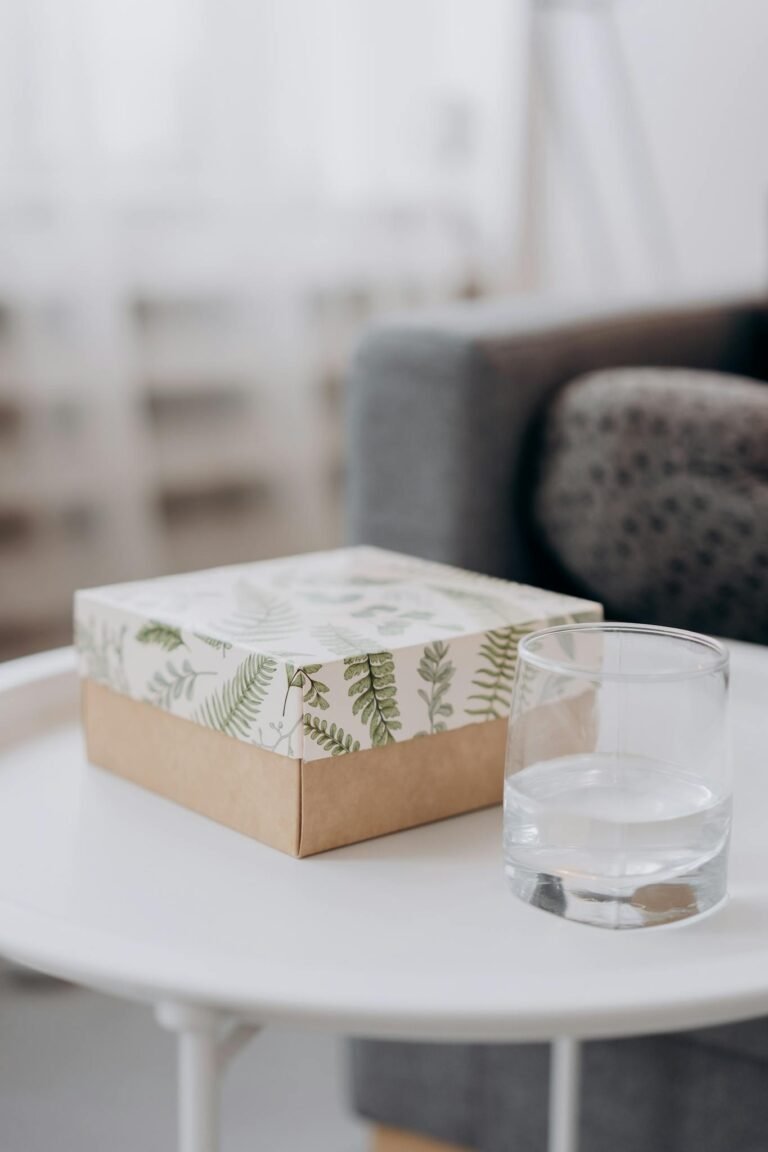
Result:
x=413 y=935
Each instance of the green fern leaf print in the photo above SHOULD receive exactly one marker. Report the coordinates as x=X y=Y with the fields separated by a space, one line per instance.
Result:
x=495 y=676
x=235 y=707
x=104 y=652
x=481 y=605
x=437 y=670
x=341 y=641
x=222 y=646
x=329 y=737
x=172 y=683
x=315 y=691
x=374 y=691
x=261 y=616
x=161 y=634
x=374 y=610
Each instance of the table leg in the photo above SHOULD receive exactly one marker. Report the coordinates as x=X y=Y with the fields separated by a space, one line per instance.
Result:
x=564 y=1091
x=199 y=1068
x=206 y=1044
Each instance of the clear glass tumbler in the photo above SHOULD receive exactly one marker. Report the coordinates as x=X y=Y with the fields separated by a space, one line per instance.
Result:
x=617 y=795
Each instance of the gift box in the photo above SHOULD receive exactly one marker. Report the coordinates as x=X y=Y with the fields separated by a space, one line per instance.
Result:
x=312 y=701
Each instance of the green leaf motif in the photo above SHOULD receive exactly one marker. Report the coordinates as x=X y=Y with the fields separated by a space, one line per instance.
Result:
x=329 y=737
x=374 y=691
x=525 y=687
x=548 y=688
x=222 y=646
x=341 y=641
x=333 y=597
x=496 y=674
x=261 y=616
x=395 y=627
x=400 y=623
x=372 y=581
x=172 y=683
x=163 y=635
x=437 y=670
x=235 y=707
x=373 y=610
x=565 y=640
x=103 y=650
x=315 y=690
x=291 y=654
x=479 y=604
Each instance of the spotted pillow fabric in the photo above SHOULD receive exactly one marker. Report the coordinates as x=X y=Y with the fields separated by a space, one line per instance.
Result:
x=653 y=496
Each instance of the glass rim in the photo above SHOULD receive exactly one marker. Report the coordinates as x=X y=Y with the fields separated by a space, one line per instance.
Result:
x=719 y=654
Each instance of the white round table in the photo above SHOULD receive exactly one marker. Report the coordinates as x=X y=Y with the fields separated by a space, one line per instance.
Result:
x=412 y=936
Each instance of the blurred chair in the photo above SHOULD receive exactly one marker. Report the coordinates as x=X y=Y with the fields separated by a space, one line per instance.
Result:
x=473 y=441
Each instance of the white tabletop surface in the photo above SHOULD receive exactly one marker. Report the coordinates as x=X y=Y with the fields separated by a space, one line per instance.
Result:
x=413 y=935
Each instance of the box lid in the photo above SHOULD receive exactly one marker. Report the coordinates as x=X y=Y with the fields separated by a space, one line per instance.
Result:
x=318 y=655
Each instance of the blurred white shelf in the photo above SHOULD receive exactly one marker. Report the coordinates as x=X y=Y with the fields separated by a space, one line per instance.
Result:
x=173 y=384
x=30 y=591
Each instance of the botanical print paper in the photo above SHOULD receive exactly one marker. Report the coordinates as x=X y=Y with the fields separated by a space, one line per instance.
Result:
x=318 y=655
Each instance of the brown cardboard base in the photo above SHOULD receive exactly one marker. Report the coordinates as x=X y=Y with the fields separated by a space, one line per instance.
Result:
x=299 y=807
x=365 y=794
x=248 y=789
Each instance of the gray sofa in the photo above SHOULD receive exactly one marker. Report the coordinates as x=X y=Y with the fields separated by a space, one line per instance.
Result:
x=467 y=440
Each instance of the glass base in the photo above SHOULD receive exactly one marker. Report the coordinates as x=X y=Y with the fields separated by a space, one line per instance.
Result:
x=624 y=904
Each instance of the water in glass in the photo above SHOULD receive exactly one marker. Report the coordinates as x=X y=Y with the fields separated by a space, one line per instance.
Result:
x=617 y=798
x=612 y=828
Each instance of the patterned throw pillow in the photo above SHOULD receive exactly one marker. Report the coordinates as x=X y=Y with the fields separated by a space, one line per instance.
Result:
x=653 y=496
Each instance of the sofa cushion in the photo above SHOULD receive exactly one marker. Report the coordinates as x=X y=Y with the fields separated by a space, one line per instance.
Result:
x=653 y=496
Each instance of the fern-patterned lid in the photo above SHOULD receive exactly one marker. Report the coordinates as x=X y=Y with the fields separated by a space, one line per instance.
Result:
x=318 y=655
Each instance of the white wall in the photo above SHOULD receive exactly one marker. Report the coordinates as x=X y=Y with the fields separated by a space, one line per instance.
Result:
x=698 y=71
x=377 y=104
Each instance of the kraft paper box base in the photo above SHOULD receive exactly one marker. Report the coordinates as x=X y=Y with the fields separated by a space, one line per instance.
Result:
x=313 y=701
x=298 y=807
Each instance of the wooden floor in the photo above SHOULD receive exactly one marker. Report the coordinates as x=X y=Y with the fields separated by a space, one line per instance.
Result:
x=395 y=1140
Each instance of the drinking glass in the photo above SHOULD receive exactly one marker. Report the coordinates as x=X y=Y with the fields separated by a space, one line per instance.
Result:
x=617 y=793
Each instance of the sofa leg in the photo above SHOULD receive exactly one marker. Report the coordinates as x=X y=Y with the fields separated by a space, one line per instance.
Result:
x=396 y=1140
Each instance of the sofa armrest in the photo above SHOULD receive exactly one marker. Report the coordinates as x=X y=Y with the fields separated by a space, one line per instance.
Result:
x=442 y=406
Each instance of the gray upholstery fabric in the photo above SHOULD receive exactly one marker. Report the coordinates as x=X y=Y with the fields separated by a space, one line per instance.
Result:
x=654 y=496
x=655 y=1094
x=667 y=1094
x=444 y=419
x=481 y=1096
x=441 y=408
